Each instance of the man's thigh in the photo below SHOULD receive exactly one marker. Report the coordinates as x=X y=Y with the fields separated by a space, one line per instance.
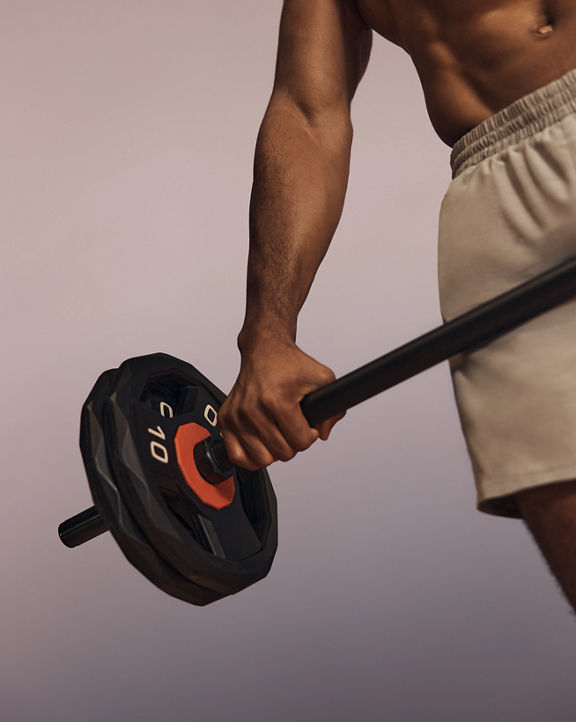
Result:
x=550 y=514
x=538 y=500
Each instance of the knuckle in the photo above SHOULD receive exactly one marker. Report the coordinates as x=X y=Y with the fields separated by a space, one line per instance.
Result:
x=285 y=452
x=238 y=458
x=276 y=452
x=264 y=459
x=237 y=454
x=328 y=375
x=269 y=400
x=305 y=441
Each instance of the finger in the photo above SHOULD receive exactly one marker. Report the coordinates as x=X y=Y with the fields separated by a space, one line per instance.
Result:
x=292 y=424
x=261 y=439
x=247 y=451
x=255 y=429
x=271 y=435
x=325 y=428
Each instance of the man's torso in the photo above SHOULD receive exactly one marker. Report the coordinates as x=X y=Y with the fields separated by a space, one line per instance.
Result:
x=475 y=57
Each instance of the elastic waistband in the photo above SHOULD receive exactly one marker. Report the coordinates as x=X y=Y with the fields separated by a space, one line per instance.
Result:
x=520 y=120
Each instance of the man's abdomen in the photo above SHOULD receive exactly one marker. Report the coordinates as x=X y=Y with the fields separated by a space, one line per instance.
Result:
x=475 y=57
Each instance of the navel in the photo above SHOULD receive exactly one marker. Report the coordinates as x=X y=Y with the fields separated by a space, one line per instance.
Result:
x=547 y=26
x=545 y=30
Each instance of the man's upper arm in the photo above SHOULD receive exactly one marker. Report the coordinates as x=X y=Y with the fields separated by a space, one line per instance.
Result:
x=323 y=51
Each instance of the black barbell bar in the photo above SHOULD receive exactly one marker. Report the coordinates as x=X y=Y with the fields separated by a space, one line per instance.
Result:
x=467 y=332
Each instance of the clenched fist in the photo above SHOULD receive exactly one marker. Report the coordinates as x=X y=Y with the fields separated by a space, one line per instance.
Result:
x=261 y=420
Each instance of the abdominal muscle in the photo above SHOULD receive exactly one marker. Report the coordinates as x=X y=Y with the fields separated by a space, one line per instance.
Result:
x=475 y=57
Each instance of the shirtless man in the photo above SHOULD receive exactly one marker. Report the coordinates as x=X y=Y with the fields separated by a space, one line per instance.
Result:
x=499 y=89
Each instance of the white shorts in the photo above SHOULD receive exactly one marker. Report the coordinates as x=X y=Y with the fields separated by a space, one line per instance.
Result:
x=509 y=214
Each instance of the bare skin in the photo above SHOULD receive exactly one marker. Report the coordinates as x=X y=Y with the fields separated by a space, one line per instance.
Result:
x=473 y=58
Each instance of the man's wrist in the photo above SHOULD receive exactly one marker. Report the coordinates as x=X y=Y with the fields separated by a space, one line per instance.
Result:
x=265 y=331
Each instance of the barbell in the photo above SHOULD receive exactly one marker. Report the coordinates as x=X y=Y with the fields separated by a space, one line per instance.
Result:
x=196 y=526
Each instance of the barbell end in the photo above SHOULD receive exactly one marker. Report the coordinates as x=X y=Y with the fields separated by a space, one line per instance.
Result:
x=212 y=461
x=81 y=528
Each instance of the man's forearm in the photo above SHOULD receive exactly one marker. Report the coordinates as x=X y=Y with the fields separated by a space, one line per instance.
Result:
x=301 y=172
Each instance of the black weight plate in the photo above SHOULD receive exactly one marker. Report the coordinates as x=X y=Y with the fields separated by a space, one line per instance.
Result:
x=115 y=513
x=223 y=549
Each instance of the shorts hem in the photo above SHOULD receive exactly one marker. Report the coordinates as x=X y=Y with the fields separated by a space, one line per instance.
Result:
x=497 y=496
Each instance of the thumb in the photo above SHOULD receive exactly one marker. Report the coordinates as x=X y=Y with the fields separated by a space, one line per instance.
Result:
x=325 y=428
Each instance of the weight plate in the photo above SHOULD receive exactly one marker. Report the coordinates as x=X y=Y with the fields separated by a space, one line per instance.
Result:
x=157 y=402
x=114 y=512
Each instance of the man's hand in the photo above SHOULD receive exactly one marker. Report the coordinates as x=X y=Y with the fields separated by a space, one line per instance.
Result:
x=261 y=420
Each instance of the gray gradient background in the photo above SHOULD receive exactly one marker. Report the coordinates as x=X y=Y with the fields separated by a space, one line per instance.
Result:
x=126 y=152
